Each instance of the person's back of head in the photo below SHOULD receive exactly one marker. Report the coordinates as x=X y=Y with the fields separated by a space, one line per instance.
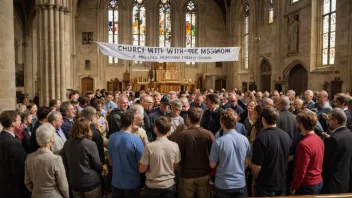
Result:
x=54 y=116
x=127 y=119
x=308 y=119
x=270 y=115
x=81 y=129
x=89 y=113
x=43 y=112
x=195 y=115
x=163 y=125
x=228 y=119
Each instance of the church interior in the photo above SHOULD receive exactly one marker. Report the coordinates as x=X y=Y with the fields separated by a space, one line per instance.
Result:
x=48 y=46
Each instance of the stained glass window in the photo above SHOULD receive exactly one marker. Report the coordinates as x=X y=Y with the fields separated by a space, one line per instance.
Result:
x=271 y=11
x=246 y=36
x=138 y=23
x=113 y=26
x=294 y=1
x=329 y=28
x=164 y=23
x=190 y=26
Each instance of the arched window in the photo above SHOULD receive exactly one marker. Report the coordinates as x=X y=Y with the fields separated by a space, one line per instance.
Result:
x=246 y=36
x=329 y=28
x=113 y=26
x=164 y=23
x=138 y=23
x=138 y=20
x=191 y=12
x=271 y=11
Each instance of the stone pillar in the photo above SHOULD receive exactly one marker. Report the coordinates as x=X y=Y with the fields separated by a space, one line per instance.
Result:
x=52 y=50
x=7 y=56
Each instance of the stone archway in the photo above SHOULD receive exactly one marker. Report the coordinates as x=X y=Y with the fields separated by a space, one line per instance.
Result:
x=298 y=79
x=265 y=76
x=87 y=84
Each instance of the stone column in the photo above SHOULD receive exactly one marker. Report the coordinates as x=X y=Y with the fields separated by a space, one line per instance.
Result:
x=7 y=56
x=52 y=50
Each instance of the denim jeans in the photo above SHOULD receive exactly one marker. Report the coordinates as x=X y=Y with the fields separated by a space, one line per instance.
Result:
x=160 y=192
x=309 y=190
x=262 y=192
x=230 y=193
x=126 y=193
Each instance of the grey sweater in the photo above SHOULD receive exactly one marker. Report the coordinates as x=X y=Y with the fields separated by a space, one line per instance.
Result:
x=82 y=163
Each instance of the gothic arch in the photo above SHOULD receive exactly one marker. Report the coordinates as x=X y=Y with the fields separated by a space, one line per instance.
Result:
x=197 y=3
x=265 y=75
x=296 y=77
x=288 y=69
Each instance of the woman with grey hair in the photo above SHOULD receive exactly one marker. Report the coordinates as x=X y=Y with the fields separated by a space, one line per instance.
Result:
x=176 y=119
x=45 y=174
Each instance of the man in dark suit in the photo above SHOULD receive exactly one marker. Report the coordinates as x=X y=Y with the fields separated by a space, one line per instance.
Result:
x=341 y=101
x=286 y=121
x=337 y=155
x=198 y=102
x=42 y=114
x=68 y=112
x=12 y=158
x=211 y=117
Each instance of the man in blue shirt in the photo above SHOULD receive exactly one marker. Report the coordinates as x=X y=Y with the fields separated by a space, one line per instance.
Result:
x=229 y=155
x=125 y=151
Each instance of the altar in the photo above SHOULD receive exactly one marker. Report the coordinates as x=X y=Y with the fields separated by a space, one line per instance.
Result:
x=163 y=77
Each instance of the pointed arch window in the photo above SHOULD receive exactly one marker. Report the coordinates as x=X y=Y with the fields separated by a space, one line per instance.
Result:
x=164 y=23
x=113 y=16
x=191 y=14
x=329 y=29
x=139 y=19
x=246 y=36
x=271 y=11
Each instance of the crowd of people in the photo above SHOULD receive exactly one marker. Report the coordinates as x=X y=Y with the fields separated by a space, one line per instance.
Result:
x=179 y=144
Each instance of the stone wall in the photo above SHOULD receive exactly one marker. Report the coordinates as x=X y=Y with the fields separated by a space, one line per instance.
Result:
x=212 y=26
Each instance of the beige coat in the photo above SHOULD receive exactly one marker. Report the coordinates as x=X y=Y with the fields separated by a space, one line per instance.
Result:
x=45 y=175
x=58 y=144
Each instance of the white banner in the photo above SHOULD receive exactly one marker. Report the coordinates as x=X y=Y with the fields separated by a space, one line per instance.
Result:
x=170 y=54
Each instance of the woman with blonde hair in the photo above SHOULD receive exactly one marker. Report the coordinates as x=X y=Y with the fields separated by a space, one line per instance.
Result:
x=44 y=172
x=81 y=159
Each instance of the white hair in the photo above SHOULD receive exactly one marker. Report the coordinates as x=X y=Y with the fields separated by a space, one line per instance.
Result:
x=137 y=109
x=44 y=133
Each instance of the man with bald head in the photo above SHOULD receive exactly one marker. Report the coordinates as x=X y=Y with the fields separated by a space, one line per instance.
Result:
x=115 y=115
x=308 y=99
x=147 y=103
x=323 y=107
x=234 y=104
x=199 y=102
x=286 y=121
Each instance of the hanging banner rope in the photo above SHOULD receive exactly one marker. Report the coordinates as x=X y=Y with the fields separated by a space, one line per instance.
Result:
x=170 y=54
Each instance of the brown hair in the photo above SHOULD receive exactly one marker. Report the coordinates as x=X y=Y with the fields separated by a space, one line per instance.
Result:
x=81 y=129
x=228 y=118
x=270 y=115
x=342 y=98
x=214 y=98
x=307 y=118
x=7 y=117
x=195 y=115
x=163 y=124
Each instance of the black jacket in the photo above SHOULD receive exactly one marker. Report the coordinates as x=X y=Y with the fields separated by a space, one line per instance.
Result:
x=12 y=158
x=66 y=126
x=26 y=139
x=114 y=121
x=33 y=141
x=337 y=162
x=211 y=120
x=100 y=143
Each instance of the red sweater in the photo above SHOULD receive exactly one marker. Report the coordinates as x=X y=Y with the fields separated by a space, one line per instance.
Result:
x=309 y=161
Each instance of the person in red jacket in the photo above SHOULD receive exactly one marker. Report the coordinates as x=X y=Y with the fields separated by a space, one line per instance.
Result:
x=307 y=178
